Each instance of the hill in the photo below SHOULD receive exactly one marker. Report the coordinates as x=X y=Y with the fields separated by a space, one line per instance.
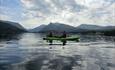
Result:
x=83 y=28
x=56 y=27
x=10 y=27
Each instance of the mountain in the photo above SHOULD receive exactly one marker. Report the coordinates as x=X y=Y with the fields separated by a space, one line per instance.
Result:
x=37 y=29
x=96 y=27
x=89 y=27
x=109 y=28
x=83 y=28
x=105 y=30
x=10 y=27
x=58 y=27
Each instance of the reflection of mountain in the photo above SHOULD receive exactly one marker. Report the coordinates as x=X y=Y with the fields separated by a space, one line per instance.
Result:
x=10 y=27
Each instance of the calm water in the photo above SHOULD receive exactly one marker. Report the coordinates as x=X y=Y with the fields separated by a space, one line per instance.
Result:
x=29 y=52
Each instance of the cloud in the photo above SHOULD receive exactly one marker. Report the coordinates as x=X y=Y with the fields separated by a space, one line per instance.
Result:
x=4 y=17
x=30 y=23
x=72 y=12
x=12 y=14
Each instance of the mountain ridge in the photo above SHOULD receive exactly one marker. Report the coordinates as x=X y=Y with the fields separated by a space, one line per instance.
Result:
x=10 y=27
x=81 y=28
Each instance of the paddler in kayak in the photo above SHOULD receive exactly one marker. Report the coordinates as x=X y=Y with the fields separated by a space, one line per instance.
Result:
x=50 y=35
x=64 y=35
x=63 y=38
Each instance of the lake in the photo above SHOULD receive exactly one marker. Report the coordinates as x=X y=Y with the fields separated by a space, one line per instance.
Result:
x=28 y=51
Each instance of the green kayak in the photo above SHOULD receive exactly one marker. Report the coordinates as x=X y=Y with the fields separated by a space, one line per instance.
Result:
x=63 y=39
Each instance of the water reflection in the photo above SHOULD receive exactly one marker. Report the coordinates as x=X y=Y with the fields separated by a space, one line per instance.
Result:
x=29 y=52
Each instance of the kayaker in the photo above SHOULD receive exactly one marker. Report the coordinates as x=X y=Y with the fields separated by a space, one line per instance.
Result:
x=64 y=34
x=50 y=34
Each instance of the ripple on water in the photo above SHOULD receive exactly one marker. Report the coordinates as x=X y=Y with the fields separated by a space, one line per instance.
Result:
x=31 y=53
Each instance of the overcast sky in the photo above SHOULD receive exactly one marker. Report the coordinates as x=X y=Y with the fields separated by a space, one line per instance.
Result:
x=32 y=13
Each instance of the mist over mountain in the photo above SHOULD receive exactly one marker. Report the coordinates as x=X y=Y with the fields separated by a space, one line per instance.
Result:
x=10 y=27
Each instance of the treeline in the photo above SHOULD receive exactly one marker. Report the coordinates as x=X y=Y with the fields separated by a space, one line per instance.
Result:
x=109 y=33
x=104 y=32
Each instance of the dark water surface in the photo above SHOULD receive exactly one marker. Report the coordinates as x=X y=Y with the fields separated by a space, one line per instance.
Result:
x=29 y=52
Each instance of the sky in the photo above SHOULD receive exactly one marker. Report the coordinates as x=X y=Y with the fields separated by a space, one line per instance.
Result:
x=32 y=13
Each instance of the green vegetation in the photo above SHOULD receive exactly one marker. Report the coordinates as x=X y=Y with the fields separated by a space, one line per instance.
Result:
x=97 y=32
